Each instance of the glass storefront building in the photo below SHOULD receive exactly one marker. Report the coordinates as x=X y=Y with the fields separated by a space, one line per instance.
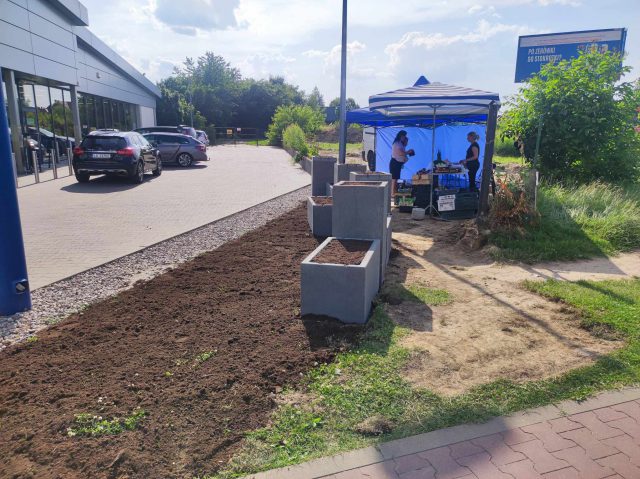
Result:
x=61 y=82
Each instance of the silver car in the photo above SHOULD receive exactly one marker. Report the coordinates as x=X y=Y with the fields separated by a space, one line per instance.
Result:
x=176 y=148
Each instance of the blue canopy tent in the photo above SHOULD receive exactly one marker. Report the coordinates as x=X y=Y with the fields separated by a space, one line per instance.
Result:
x=428 y=105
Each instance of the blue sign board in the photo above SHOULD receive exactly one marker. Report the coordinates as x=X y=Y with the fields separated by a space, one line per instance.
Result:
x=537 y=50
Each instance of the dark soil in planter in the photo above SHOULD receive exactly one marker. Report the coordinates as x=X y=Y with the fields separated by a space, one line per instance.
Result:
x=361 y=183
x=350 y=252
x=322 y=200
x=239 y=305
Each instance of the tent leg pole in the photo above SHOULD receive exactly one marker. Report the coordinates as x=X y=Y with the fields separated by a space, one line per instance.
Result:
x=431 y=210
x=487 y=166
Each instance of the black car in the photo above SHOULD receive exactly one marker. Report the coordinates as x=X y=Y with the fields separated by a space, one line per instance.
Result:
x=121 y=153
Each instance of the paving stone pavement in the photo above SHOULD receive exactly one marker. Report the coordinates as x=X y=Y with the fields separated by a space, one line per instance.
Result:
x=70 y=227
x=595 y=439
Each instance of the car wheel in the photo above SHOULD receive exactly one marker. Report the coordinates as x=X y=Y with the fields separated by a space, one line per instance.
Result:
x=138 y=175
x=82 y=177
x=158 y=170
x=184 y=159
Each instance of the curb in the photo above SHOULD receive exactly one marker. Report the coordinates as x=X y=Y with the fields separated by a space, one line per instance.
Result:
x=327 y=466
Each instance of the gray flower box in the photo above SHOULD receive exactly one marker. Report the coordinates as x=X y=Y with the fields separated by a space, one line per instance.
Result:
x=343 y=170
x=319 y=217
x=361 y=211
x=344 y=292
x=322 y=172
x=373 y=176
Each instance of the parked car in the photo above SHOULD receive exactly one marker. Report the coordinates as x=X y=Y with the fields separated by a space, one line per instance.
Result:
x=116 y=153
x=48 y=140
x=103 y=130
x=175 y=148
x=202 y=136
x=182 y=129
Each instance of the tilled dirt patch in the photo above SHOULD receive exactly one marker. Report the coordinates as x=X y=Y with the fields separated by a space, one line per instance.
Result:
x=493 y=329
x=200 y=349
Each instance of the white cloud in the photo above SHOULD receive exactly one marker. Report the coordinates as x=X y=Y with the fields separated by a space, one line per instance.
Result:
x=331 y=58
x=429 y=41
x=185 y=16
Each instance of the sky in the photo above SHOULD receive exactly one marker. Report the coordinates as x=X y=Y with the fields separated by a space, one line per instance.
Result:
x=471 y=43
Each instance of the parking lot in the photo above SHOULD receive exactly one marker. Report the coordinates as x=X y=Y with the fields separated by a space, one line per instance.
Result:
x=71 y=227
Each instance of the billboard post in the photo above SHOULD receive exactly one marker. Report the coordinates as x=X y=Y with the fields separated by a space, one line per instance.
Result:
x=15 y=296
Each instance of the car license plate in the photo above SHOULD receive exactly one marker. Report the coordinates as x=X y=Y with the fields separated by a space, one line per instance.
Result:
x=101 y=155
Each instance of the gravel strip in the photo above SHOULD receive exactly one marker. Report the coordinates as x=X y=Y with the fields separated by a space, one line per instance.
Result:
x=54 y=302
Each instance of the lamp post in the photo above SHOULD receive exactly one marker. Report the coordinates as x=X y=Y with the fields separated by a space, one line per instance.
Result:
x=14 y=286
x=342 y=152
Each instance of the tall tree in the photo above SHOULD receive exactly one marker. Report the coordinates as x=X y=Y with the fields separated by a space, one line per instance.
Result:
x=220 y=96
x=315 y=99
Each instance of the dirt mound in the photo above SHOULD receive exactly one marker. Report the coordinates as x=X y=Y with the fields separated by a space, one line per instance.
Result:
x=200 y=349
x=331 y=134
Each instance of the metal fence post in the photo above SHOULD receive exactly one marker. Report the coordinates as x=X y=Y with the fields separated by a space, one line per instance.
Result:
x=54 y=166
x=69 y=156
x=34 y=161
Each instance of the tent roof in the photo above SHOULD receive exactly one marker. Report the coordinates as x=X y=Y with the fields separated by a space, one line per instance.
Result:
x=366 y=116
x=422 y=99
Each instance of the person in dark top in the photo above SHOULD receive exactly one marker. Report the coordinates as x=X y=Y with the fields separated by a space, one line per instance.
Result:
x=399 y=156
x=472 y=160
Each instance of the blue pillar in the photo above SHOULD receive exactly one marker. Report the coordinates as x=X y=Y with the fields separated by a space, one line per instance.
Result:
x=14 y=286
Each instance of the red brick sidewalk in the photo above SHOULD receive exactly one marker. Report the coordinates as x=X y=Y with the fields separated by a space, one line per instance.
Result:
x=599 y=438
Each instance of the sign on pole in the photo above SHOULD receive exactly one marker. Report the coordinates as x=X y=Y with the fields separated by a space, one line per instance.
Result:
x=537 y=50
x=14 y=285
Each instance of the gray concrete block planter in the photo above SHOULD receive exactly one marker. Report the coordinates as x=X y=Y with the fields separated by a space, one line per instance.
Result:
x=360 y=209
x=373 y=176
x=319 y=216
x=344 y=292
x=342 y=171
x=322 y=172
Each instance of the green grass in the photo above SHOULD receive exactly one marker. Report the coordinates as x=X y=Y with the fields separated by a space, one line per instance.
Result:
x=367 y=382
x=333 y=147
x=507 y=160
x=85 y=424
x=577 y=222
x=205 y=356
x=396 y=293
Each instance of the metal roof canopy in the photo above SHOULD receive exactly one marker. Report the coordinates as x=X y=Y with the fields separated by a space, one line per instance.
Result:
x=425 y=99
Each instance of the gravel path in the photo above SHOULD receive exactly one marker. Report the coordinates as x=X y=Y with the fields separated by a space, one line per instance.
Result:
x=56 y=301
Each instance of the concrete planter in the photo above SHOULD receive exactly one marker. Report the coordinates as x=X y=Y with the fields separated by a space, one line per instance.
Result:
x=329 y=189
x=305 y=164
x=319 y=217
x=322 y=172
x=386 y=251
x=342 y=171
x=373 y=176
x=361 y=211
x=344 y=292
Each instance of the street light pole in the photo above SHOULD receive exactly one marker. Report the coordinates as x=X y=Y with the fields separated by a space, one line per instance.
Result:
x=342 y=152
x=14 y=286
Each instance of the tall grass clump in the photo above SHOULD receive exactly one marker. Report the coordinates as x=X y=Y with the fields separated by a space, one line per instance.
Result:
x=577 y=221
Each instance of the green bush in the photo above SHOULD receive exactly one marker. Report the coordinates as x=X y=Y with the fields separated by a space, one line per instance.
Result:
x=308 y=119
x=293 y=138
x=587 y=117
